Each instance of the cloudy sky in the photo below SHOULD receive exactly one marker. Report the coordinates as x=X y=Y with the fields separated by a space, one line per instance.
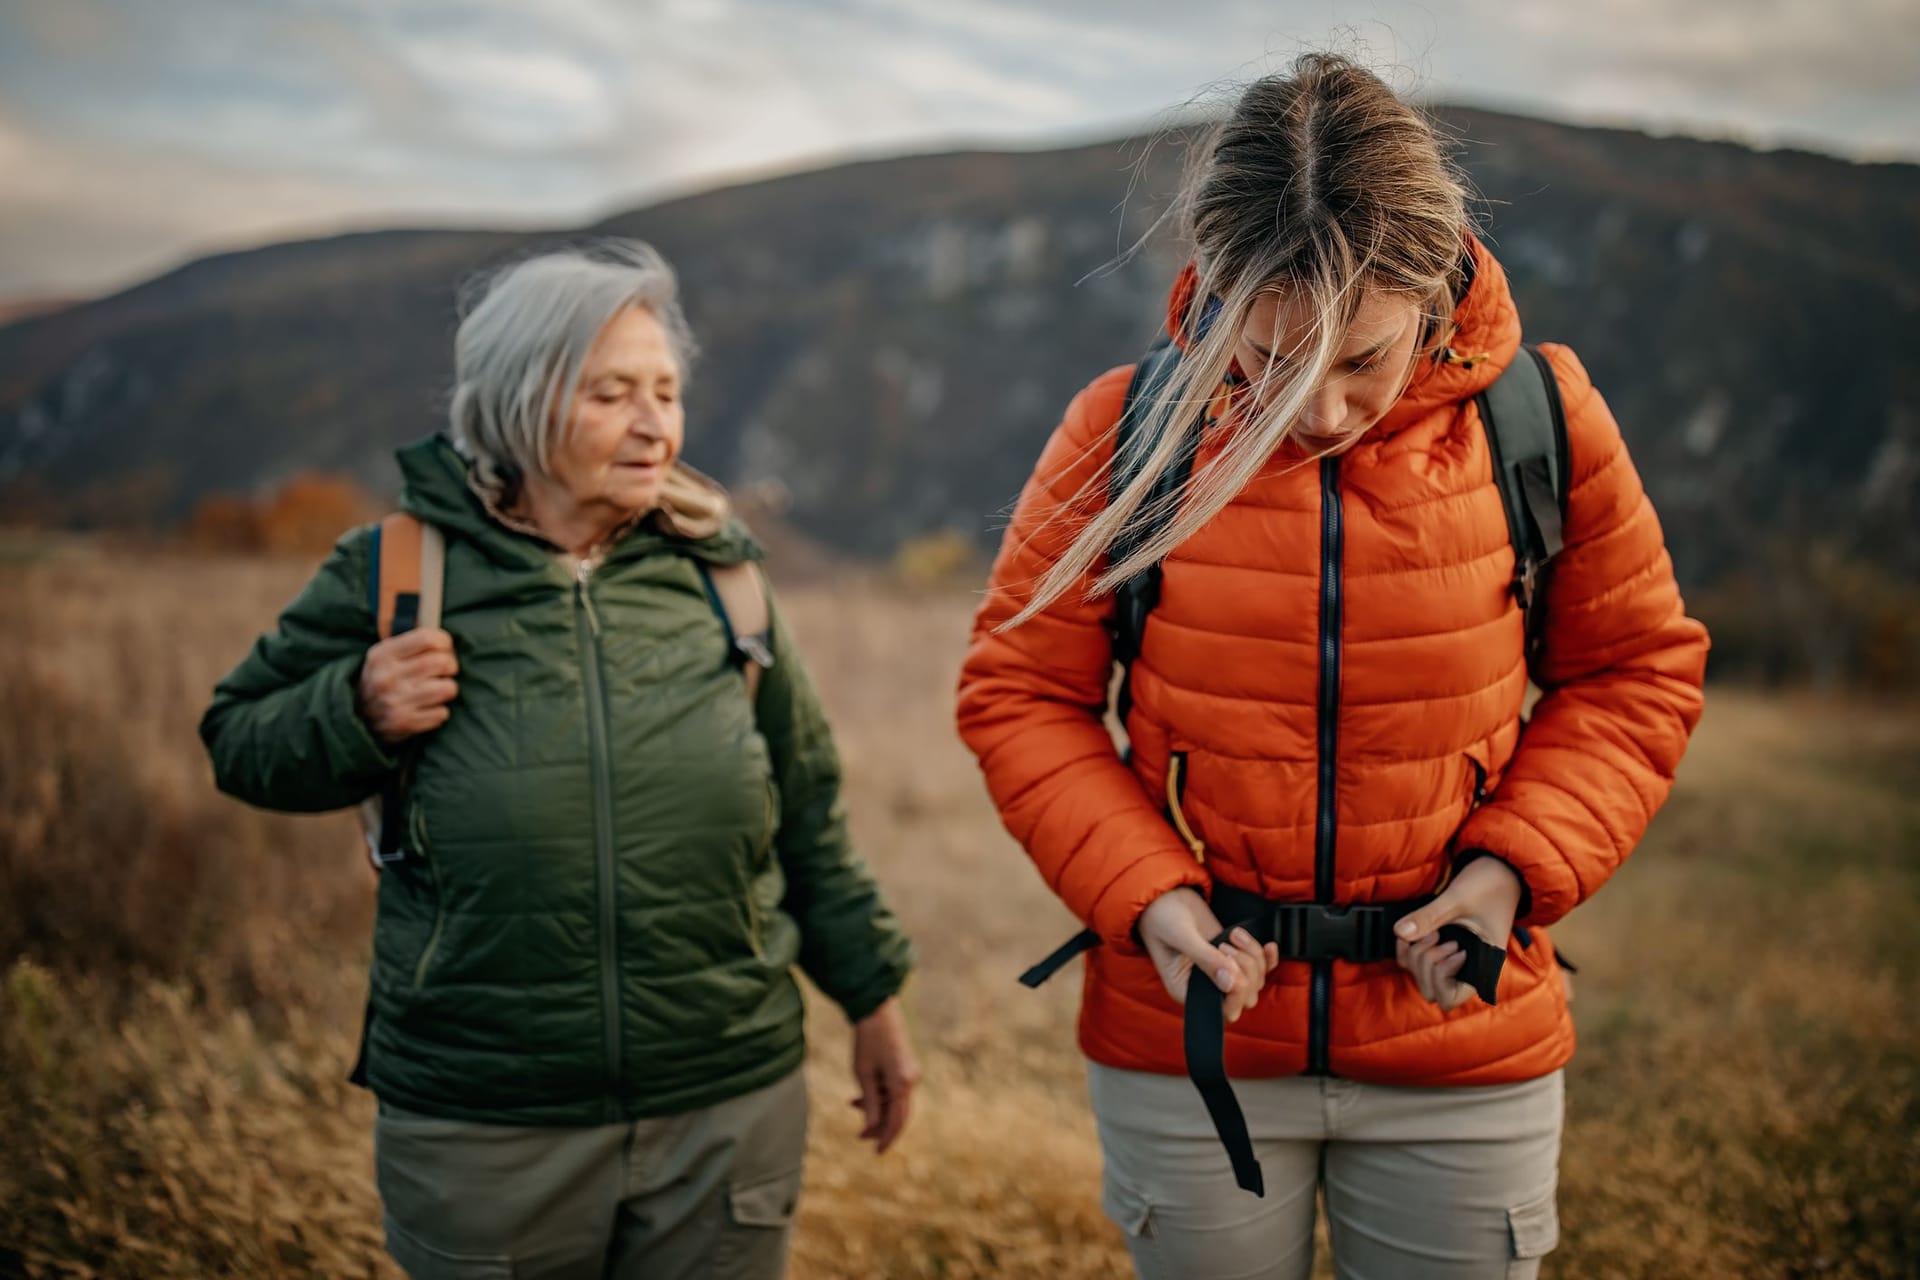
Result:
x=135 y=134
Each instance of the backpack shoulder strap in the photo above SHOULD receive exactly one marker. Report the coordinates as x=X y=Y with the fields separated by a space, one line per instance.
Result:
x=1526 y=430
x=404 y=588
x=738 y=593
x=1135 y=436
x=409 y=573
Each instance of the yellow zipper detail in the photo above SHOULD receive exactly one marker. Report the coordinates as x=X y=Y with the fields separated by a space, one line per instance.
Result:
x=1175 y=785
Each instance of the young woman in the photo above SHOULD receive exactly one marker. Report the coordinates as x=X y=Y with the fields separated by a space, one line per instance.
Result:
x=584 y=1032
x=1326 y=712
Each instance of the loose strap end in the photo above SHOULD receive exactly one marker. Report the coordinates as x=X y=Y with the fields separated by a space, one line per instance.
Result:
x=1080 y=943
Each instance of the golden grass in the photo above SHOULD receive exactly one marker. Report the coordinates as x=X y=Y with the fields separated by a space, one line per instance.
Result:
x=183 y=978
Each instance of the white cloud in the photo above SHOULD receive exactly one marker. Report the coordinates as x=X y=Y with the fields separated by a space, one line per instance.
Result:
x=132 y=132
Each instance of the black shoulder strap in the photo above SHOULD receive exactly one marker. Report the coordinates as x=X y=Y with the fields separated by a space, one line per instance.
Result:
x=1134 y=439
x=1527 y=434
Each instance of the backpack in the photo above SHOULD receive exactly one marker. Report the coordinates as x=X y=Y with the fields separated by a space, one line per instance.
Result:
x=404 y=591
x=1526 y=431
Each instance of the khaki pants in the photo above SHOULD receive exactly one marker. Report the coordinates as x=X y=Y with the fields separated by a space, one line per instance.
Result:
x=1442 y=1183
x=709 y=1193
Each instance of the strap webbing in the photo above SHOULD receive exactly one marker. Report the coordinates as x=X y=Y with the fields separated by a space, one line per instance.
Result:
x=1135 y=437
x=738 y=593
x=1080 y=943
x=1304 y=931
x=409 y=569
x=407 y=592
x=1526 y=433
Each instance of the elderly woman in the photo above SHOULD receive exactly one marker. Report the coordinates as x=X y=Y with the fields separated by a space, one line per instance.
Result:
x=583 y=1030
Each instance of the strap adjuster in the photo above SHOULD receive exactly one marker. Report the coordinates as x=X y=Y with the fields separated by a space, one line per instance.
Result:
x=755 y=650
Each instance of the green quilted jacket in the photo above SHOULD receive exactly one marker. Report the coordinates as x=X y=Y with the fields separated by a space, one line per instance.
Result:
x=614 y=860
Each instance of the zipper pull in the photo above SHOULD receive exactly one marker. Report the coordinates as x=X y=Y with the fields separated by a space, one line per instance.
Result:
x=581 y=573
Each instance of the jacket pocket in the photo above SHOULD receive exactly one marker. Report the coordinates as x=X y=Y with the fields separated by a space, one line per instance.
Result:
x=1533 y=1229
x=1128 y=1209
x=753 y=1242
x=1179 y=770
x=1480 y=780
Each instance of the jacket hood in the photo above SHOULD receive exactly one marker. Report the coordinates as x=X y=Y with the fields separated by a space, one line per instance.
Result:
x=693 y=518
x=1485 y=338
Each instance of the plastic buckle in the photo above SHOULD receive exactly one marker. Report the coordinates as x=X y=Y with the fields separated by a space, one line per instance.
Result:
x=1331 y=931
x=1359 y=933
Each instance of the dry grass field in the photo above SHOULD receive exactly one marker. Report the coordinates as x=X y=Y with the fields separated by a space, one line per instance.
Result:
x=180 y=978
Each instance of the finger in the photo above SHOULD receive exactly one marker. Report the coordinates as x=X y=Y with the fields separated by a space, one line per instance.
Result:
x=1252 y=966
x=435 y=692
x=1208 y=959
x=1252 y=956
x=409 y=723
x=431 y=663
x=1444 y=909
x=899 y=1105
x=870 y=1100
x=421 y=640
x=1439 y=977
x=1273 y=956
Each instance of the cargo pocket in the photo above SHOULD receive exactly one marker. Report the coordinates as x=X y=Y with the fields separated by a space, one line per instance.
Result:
x=1534 y=1229
x=421 y=1261
x=753 y=1240
x=1132 y=1212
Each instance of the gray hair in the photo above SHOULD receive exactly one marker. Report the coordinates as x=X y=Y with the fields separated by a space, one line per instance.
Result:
x=523 y=337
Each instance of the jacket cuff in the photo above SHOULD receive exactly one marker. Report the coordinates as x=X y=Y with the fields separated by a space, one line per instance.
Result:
x=860 y=1005
x=1119 y=908
x=352 y=749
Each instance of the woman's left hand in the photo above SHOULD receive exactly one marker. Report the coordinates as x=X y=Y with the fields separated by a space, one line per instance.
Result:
x=1483 y=897
x=886 y=1070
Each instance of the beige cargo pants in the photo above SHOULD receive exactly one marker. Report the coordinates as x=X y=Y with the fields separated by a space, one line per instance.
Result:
x=1447 y=1184
x=709 y=1193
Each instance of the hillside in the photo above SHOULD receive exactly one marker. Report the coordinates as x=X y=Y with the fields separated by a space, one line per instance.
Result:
x=893 y=339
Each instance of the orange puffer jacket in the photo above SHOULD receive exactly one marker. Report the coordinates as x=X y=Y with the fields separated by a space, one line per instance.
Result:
x=1431 y=675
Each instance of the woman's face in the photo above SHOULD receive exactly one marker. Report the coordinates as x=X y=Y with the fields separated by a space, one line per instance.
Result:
x=1370 y=367
x=627 y=423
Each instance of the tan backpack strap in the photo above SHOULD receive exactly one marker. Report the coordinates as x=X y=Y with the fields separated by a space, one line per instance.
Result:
x=409 y=574
x=740 y=597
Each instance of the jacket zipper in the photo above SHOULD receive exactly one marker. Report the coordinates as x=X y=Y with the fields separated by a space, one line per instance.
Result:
x=1332 y=538
x=593 y=679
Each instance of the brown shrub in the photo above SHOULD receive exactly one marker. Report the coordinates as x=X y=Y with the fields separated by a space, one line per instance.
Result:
x=303 y=517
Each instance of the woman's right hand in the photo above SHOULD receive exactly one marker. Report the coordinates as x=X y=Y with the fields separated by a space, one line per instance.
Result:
x=1178 y=929
x=406 y=683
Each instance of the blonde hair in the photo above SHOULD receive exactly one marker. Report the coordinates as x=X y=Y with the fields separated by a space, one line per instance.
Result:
x=1322 y=183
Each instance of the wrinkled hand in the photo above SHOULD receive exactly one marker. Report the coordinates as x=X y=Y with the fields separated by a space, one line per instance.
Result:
x=406 y=683
x=1178 y=929
x=1483 y=897
x=886 y=1071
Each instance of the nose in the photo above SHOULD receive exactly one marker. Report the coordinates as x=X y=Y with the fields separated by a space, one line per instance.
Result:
x=649 y=420
x=1325 y=411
